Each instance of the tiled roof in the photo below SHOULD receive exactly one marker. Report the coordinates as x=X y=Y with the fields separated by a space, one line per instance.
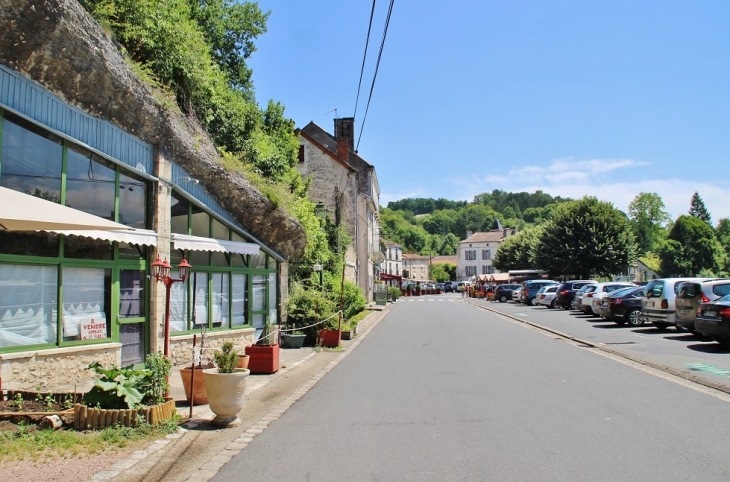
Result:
x=414 y=256
x=487 y=237
x=445 y=259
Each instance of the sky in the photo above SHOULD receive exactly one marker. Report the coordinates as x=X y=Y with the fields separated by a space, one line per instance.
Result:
x=572 y=97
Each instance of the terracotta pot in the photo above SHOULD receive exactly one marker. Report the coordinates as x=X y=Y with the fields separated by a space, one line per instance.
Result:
x=242 y=360
x=330 y=338
x=201 y=396
x=225 y=395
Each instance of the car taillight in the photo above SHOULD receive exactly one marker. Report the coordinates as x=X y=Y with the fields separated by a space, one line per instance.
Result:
x=590 y=295
x=615 y=301
x=564 y=292
x=665 y=304
x=704 y=299
x=724 y=312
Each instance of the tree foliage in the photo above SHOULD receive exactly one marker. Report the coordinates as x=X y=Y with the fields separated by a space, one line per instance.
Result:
x=648 y=218
x=698 y=210
x=517 y=252
x=691 y=248
x=576 y=241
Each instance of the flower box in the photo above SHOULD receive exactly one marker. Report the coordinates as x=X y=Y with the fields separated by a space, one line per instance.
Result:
x=264 y=359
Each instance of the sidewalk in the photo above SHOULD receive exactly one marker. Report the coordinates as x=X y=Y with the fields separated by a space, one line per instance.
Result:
x=198 y=450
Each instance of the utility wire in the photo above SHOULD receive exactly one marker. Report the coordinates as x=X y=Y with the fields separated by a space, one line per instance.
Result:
x=377 y=65
x=364 y=56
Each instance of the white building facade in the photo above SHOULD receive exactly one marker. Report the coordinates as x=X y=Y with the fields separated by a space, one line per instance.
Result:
x=475 y=254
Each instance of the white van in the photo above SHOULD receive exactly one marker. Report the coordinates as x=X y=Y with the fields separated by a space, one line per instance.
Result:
x=463 y=285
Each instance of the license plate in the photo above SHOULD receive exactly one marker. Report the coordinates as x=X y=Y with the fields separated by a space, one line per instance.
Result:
x=710 y=313
x=649 y=303
x=684 y=311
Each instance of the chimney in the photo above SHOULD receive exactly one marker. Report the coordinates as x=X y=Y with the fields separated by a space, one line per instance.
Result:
x=468 y=234
x=345 y=136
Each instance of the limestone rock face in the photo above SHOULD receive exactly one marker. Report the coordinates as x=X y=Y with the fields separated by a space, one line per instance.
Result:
x=57 y=44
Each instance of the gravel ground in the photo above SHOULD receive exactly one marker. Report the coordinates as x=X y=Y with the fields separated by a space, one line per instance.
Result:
x=66 y=470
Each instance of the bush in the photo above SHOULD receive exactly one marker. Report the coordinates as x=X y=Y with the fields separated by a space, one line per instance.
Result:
x=305 y=307
x=353 y=301
x=393 y=293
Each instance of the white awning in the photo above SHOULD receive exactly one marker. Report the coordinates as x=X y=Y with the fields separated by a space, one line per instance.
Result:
x=196 y=243
x=143 y=237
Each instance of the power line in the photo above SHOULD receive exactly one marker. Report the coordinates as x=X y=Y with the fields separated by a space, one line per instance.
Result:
x=364 y=56
x=377 y=65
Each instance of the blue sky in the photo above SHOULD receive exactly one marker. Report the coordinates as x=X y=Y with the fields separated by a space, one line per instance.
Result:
x=572 y=97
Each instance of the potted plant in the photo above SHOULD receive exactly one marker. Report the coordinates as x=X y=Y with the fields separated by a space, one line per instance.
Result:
x=349 y=330
x=294 y=339
x=226 y=386
x=418 y=288
x=195 y=383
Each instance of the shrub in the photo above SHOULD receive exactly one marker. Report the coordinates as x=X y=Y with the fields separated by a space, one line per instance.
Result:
x=353 y=301
x=305 y=307
x=393 y=293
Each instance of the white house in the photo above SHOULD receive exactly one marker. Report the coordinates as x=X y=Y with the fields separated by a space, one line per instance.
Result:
x=476 y=252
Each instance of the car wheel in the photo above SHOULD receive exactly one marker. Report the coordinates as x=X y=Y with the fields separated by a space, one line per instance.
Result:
x=503 y=299
x=634 y=318
x=532 y=302
x=553 y=304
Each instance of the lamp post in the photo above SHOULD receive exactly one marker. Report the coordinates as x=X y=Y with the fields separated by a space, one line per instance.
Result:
x=318 y=268
x=161 y=272
x=610 y=261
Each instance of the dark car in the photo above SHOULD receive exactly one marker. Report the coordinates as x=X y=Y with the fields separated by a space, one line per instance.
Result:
x=530 y=289
x=713 y=319
x=625 y=306
x=503 y=293
x=449 y=286
x=567 y=290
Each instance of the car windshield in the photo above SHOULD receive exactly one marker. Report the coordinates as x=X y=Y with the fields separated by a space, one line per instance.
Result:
x=622 y=291
x=724 y=298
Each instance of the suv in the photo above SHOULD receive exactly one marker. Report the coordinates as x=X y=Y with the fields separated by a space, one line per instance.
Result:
x=504 y=292
x=530 y=289
x=657 y=303
x=449 y=287
x=567 y=290
x=689 y=297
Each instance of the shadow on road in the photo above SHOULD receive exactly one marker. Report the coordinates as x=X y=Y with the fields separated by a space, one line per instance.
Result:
x=610 y=326
x=710 y=347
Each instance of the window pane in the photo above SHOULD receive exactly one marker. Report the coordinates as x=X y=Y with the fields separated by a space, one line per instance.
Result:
x=200 y=223
x=29 y=243
x=219 y=230
x=132 y=201
x=200 y=299
x=220 y=259
x=178 y=305
x=199 y=258
x=86 y=248
x=131 y=291
x=132 y=251
x=259 y=292
x=258 y=260
x=90 y=185
x=272 y=299
x=31 y=161
x=220 y=299
x=28 y=307
x=179 y=213
x=86 y=296
x=131 y=336
x=238 y=301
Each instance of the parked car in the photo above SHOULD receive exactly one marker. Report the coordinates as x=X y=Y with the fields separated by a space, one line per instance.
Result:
x=624 y=306
x=449 y=286
x=578 y=298
x=440 y=286
x=566 y=292
x=713 y=320
x=463 y=285
x=657 y=302
x=516 y=294
x=602 y=289
x=530 y=289
x=503 y=293
x=689 y=297
x=546 y=296
x=583 y=298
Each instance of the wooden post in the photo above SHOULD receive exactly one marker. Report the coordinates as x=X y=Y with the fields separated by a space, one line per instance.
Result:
x=192 y=378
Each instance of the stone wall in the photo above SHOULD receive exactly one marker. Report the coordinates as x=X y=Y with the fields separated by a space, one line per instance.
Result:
x=59 y=369
x=181 y=347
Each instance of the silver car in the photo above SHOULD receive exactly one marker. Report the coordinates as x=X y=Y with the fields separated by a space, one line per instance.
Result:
x=657 y=303
x=691 y=294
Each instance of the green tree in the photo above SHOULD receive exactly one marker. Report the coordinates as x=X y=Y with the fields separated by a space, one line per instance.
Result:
x=449 y=245
x=474 y=218
x=517 y=252
x=441 y=272
x=691 y=248
x=697 y=209
x=648 y=218
x=440 y=221
x=576 y=241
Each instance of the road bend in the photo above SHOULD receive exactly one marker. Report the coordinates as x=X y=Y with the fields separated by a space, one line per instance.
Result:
x=442 y=390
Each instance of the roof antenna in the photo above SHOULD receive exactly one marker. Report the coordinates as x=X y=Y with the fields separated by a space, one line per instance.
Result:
x=335 y=111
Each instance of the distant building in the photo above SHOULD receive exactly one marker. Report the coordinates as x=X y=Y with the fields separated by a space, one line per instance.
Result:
x=416 y=267
x=475 y=254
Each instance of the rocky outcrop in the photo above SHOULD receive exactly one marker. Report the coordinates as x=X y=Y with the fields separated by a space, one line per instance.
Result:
x=57 y=44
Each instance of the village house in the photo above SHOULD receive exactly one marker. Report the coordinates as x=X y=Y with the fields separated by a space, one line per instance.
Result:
x=348 y=186
x=72 y=297
x=476 y=252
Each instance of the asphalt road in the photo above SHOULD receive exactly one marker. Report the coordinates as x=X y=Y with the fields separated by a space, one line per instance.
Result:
x=442 y=390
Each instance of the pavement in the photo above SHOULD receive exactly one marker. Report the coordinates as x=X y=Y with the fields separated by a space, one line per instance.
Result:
x=197 y=451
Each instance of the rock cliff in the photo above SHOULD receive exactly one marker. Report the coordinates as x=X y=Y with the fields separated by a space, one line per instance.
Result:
x=59 y=45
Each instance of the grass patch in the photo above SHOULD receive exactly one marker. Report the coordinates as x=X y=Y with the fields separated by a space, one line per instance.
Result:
x=31 y=443
x=354 y=320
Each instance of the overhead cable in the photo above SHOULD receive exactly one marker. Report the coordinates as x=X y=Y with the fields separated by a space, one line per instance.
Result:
x=364 y=56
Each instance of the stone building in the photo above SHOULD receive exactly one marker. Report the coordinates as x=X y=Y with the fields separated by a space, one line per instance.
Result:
x=99 y=141
x=416 y=268
x=348 y=186
x=476 y=252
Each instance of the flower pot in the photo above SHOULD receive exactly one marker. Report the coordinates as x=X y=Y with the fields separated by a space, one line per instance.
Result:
x=330 y=338
x=242 y=360
x=201 y=397
x=349 y=335
x=264 y=359
x=225 y=395
x=292 y=341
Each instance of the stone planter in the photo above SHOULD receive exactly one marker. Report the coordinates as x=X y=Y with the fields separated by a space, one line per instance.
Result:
x=264 y=358
x=201 y=396
x=88 y=418
x=292 y=341
x=330 y=338
x=225 y=395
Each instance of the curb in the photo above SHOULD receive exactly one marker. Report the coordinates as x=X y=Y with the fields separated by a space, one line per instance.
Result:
x=657 y=366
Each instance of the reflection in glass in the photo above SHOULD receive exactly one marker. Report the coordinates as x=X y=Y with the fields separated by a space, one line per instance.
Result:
x=90 y=185
x=258 y=260
x=132 y=201
x=86 y=297
x=178 y=305
x=219 y=230
x=131 y=336
x=258 y=303
x=28 y=307
x=272 y=299
x=180 y=212
x=200 y=300
x=238 y=300
x=31 y=160
x=131 y=291
x=132 y=251
x=220 y=300
x=29 y=243
x=86 y=248
x=200 y=223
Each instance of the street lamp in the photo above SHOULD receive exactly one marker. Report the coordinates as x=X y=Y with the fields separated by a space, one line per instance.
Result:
x=161 y=272
x=320 y=210
x=318 y=267
x=610 y=261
